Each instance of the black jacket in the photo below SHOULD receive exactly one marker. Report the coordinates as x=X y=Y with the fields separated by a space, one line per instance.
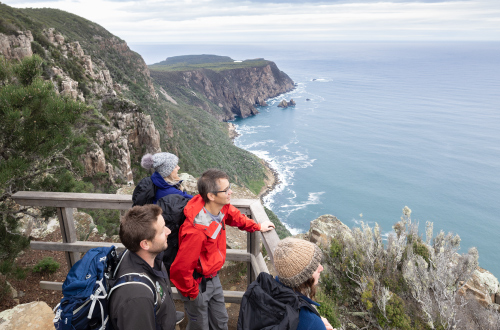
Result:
x=131 y=307
x=173 y=214
x=271 y=305
x=144 y=192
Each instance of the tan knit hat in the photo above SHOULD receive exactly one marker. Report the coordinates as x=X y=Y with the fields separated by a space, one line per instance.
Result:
x=296 y=260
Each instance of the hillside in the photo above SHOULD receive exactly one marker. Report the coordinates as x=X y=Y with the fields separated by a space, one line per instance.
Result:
x=79 y=109
x=89 y=64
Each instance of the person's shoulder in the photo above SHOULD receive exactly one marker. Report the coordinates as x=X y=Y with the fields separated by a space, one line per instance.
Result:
x=230 y=208
x=133 y=293
x=309 y=320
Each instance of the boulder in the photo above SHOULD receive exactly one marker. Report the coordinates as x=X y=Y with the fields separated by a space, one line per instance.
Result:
x=484 y=286
x=84 y=224
x=189 y=183
x=34 y=316
x=485 y=281
x=283 y=104
x=35 y=225
x=326 y=227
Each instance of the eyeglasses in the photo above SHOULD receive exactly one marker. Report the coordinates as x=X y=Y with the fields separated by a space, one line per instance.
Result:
x=223 y=191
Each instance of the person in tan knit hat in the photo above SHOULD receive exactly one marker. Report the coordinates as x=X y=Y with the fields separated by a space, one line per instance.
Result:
x=298 y=263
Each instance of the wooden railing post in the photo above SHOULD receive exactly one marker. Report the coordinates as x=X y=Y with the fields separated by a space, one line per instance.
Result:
x=251 y=244
x=68 y=232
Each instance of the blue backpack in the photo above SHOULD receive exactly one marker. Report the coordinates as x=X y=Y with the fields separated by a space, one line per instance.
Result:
x=89 y=285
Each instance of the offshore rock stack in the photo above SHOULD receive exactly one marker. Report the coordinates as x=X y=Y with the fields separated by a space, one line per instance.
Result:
x=285 y=104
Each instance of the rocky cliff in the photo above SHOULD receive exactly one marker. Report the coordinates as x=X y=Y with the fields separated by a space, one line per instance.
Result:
x=236 y=91
x=185 y=108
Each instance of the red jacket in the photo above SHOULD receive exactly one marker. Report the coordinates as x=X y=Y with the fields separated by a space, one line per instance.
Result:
x=202 y=243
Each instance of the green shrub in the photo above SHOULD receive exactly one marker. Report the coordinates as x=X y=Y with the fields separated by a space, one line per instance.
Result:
x=46 y=265
x=396 y=315
x=106 y=221
x=38 y=49
x=280 y=228
x=328 y=308
x=29 y=69
x=4 y=288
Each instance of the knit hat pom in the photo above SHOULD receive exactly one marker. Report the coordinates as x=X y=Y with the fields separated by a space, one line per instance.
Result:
x=147 y=161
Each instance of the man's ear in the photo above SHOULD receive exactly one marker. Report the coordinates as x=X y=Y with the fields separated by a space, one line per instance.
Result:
x=144 y=244
x=211 y=197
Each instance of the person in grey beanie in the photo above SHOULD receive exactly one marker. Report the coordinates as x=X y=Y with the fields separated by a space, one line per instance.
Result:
x=165 y=177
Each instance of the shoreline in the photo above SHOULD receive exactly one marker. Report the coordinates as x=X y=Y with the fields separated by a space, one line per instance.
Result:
x=233 y=134
x=271 y=182
x=272 y=177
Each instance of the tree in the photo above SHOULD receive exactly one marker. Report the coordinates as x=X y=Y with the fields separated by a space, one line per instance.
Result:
x=38 y=147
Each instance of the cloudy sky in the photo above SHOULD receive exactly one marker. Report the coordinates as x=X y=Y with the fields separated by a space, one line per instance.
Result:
x=240 y=21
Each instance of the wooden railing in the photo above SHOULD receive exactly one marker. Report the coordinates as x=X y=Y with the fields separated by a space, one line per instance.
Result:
x=65 y=202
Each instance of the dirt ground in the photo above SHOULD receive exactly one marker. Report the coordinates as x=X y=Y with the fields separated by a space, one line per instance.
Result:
x=233 y=277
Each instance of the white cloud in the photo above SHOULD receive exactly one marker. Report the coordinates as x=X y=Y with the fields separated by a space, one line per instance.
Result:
x=221 y=21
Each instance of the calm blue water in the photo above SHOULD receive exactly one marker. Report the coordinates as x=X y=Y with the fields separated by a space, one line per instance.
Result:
x=387 y=125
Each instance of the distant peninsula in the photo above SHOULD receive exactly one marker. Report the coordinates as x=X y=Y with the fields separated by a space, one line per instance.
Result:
x=236 y=88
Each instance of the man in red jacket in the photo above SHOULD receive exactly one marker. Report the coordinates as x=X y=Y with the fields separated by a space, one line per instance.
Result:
x=202 y=250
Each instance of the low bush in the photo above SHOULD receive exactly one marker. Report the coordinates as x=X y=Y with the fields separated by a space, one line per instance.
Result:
x=46 y=265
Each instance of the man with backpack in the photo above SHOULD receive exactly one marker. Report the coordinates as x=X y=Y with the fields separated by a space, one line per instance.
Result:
x=143 y=232
x=202 y=250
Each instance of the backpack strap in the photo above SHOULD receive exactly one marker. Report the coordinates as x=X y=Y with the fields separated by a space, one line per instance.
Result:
x=306 y=304
x=137 y=278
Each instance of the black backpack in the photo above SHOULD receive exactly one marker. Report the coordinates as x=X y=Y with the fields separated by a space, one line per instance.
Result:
x=268 y=304
x=173 y=213
x=144 y=192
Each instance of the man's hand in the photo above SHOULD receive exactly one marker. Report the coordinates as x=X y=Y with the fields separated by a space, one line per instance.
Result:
x=266 y=226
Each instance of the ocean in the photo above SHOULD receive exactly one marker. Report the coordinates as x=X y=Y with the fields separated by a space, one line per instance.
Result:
x=380 y=126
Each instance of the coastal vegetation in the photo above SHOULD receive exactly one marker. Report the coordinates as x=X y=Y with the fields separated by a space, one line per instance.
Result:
x=409 y=282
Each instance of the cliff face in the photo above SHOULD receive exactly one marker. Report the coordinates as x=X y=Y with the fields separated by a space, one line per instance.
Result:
x=235 y=91
x=127 y=135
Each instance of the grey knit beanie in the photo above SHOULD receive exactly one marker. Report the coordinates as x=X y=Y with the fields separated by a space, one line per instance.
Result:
x=163 y=162
x=296 y=260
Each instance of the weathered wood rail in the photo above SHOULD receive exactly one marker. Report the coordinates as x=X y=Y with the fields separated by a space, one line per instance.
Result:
x=65 y=202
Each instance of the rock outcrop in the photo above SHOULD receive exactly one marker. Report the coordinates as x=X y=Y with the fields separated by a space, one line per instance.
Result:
x=484 y=286
x=324 y=228
x=16 y=46
x=285 y=104
x=127 y=136
x=235 y=91
x=34 y=316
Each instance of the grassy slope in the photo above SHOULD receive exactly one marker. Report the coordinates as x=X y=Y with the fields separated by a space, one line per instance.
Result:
x=219 y=66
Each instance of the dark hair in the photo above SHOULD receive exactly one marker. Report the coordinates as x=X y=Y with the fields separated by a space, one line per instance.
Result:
x=138 y=224
x=207 y=183
x=307 y=288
